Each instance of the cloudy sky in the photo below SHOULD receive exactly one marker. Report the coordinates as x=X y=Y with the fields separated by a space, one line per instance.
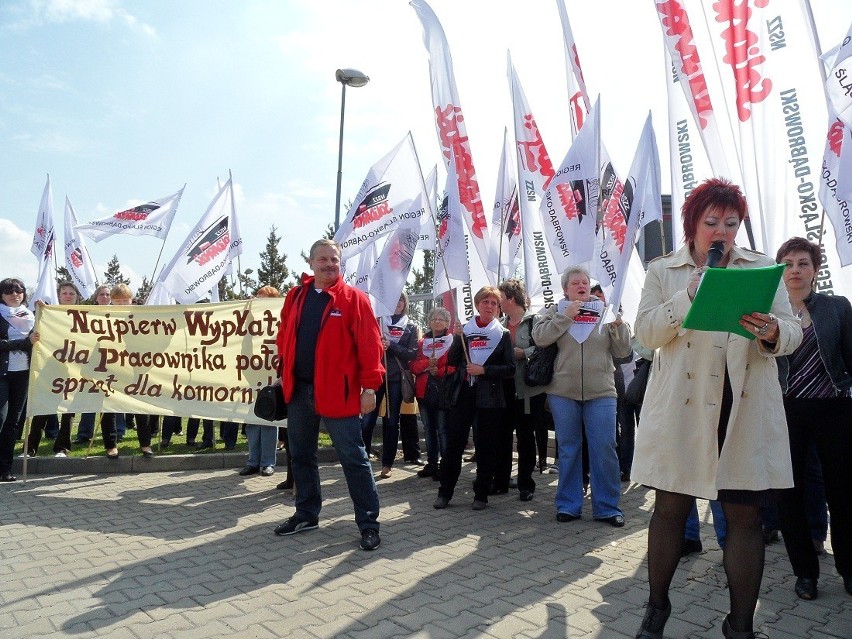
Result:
x=122 y=102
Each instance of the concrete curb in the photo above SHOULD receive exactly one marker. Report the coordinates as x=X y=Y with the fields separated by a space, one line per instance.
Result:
x=138 y=464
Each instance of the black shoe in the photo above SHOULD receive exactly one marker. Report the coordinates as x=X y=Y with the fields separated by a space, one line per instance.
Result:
x=654 y=622
x=471 y=457
x=165 y=443
x=513 y=483
x=441 y=502
x=249 y=470
x=370 y=539
x=498 y=491
x=413 y=462
x=8 y=477
x=806 y=588
x=565 y=517
x=295 y=525
x=428 y=470
x=526 y=495
x=202 y=446
x=730 y=633
x=690 y=547
x=542 y=466
x=847 y=584
x=80 y=440
x=148 y=454
x=616 y=521
x=478 y=504
x=287 y=484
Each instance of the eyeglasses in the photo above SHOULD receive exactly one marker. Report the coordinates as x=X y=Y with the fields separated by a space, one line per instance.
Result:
x=13 y=289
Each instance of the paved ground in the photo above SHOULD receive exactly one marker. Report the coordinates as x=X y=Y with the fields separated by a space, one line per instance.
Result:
x=191 y=554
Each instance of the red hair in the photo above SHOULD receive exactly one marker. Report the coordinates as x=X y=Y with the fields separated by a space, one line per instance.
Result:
x=715 y=193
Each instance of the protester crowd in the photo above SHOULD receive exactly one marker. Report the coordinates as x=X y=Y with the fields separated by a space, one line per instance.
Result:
x=761 y=427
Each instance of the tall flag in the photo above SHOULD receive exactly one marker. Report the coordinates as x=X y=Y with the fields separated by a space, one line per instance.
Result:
x=387 y=279
x=505 y=252
x=570 y=203
x=152 y=218
x=838 y=146
x=535 y=171
x=838 y=84
x=392 y=196
x=645 y=205
x=774 y=88
x=451 y=261
x=77 y=259
x=577 y=94
x=427 y=225
x=46 y=288
x=207 y=252
x=452 y=131
x=44 y=232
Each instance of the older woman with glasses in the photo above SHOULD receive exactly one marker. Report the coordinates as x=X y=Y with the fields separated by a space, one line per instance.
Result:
x=16 y=342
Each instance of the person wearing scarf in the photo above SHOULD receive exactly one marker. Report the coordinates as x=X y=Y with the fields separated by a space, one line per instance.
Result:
x=16 y=342
x=485 y=351
x=399 y=339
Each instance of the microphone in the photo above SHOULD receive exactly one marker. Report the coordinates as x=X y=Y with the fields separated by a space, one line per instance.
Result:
x=714 y=253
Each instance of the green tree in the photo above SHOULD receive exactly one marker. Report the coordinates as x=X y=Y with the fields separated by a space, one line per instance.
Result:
x=249 y=284
x=273 y=269
x=143 y=291
x=422 y=287
x=113 y=274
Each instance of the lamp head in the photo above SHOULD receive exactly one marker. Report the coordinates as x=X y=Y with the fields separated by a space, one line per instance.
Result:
x=351 y=77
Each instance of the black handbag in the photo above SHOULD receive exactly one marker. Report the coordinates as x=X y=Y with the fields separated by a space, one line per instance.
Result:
x=270 y=404
x=538 y=370
x=406 y=381
x=450 y=389
x=635 y=393
x=434 y=390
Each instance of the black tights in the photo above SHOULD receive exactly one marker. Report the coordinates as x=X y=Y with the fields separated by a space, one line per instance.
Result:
x=743 y=554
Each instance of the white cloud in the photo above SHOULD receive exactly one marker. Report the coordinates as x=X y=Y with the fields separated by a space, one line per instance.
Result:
x=15 y=253
x=101 y=11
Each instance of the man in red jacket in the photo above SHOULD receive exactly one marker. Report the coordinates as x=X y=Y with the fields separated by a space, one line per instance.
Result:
x=330 y=354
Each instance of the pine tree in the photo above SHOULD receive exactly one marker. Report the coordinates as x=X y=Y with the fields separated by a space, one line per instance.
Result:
x=143 y=291
x=249 y=284
x=422 y=285
x=273 y=269
x=113 y=274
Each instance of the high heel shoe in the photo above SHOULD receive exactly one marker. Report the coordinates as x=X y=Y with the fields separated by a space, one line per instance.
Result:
x=385 y=472
x=112 y=454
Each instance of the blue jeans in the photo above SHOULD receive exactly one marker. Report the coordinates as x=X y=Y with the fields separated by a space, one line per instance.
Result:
x=86 y=427
x=598 y=415
x=262 y=441
x=120 y=425
x=303 y=432
x=229 y=432
x=390 y=424
x=720 y=524
x=434 y=430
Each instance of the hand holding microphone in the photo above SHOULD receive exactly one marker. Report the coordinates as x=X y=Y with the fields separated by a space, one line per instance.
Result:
x=714 y=256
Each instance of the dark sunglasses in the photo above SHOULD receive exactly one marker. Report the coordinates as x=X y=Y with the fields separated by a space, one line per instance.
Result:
x=12 y=289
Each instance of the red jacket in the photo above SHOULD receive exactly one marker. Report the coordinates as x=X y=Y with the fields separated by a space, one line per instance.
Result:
x=349 y=348
x=420 y=367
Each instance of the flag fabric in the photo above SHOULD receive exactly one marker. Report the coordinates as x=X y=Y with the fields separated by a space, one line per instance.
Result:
x=207 y=252
x=392 y=195
x=505 y=251
x=159 y=296
x=838 y=145
x=427 y=226
x=838 y=83
x=387 y=279
x=774 y=89
x=577 y=95
x=646 y=204
x=44 y=224
x=152 y=218
x=535 y=170
x=77 y=259
x=45 y=290
x=570 y=204
x=451 y=128
x=451 y=262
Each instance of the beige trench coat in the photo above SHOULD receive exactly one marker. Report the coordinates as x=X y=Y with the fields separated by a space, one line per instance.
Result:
x=676 y=439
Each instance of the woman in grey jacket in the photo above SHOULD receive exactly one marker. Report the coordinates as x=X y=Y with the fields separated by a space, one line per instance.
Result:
x=582 y=394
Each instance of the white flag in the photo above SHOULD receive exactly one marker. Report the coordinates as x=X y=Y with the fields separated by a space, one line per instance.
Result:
x=427 y=226
x=387 y=279
x=505 y=251
x=392 y=196
x=646 y=205
x=535 y=170
x=452 y=131
x=207 y=252
x=44 y=224
x=838 y=84
x=570 y=204
x=77 y=259
x=153 y=218
x=46 y=288
x=451 y=263
x=159 y=296
x=577 y=95
x=838 y=144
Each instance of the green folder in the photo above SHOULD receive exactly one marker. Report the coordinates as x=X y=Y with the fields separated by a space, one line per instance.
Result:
x=726 y=294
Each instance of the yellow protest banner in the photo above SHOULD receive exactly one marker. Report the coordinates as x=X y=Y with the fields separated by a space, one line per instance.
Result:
x=202 y=360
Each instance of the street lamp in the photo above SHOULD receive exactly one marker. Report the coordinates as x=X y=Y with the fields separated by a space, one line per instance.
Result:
x=354 y=79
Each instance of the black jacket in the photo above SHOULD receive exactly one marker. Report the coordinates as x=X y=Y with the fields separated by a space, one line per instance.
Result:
x=8 y=345
x=499 y=365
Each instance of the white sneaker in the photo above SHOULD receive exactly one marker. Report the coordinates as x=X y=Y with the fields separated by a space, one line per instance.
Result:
x=61 y=453
x=267 y=471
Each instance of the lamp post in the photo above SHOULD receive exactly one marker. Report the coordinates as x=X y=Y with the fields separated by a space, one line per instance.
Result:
x=355 y=79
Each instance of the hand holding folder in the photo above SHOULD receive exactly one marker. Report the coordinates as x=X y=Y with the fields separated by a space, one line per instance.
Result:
x=726 y=294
